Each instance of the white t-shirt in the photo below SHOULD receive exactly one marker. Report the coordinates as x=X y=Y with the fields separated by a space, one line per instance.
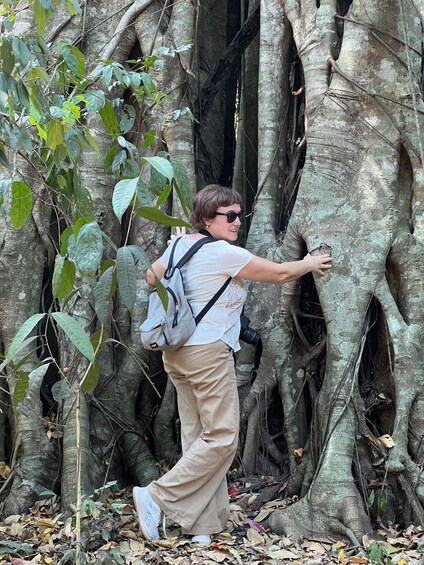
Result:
x=203 y=276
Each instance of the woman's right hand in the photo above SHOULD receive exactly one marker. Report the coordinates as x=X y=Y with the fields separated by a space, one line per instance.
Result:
x=178 y=233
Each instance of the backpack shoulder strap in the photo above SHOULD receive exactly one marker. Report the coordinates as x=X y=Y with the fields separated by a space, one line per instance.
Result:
x=212 y=301
x=188 y=255
x=193 y=249
x=169 y=271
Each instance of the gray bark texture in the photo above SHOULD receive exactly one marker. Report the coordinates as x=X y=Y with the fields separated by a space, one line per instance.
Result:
x=314 y=111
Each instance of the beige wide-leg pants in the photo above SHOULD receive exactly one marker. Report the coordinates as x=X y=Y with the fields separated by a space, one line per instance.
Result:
x=194 y=492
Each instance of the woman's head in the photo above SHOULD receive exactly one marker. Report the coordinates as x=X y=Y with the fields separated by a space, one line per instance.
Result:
x=207 y=202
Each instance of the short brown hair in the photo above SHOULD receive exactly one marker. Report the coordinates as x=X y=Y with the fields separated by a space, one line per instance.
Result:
x=208 y=200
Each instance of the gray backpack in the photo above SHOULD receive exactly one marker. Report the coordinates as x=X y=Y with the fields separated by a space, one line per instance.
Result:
x=171 y=329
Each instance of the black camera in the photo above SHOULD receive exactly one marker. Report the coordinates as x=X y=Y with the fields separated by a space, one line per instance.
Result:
x=248 y=335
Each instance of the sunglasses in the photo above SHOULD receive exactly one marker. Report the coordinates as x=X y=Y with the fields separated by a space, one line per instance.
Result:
x=231 y=216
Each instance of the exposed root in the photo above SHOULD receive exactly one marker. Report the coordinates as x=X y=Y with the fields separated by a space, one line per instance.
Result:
x=331 y=509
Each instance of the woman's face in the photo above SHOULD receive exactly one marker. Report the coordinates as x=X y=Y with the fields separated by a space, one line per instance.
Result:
x=219 y=226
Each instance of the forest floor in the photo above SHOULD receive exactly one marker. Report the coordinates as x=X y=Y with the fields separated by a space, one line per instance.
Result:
x=110 y=534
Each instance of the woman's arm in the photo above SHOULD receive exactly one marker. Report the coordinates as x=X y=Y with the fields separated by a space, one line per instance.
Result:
x=157 y=270
x=262 y=270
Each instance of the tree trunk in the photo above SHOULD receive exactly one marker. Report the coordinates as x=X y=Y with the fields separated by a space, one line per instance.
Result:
x=314 y=111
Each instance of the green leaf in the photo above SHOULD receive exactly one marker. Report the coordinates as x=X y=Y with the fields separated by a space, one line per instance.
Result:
x=110 y=156
x=89 y=249
x=21 y=52
x=157 y=182
x=163 y=294
x=82 y=204
x=127 y=119
x=99 y=339
x=123 y=194
x=147 y=81
x=23 y=95
x=75 y=333
x=64 y=237
x=163 y=166
x=140 y=254
x=21 y=204
x=149 y=138
x=3 y=158
x=41 y=16
x=182 y=186
x=371 y=499
x=91 y=140
x=80 y=223
x=109 y=119
x=73 y=7
x=20 y=389
x=95 y=101
x=61 y=391
x=143 y=194
x=55 y=134
x=5 y=184
x=164 y=195
x=15 y=547
x=7 y=59
x=155 y=215
x=382 y=502
x=74 y=59
x=92 y=377
x=20 y=336
x=102 y=293
x=375 y=553
x=63 y=278
x=127 y=276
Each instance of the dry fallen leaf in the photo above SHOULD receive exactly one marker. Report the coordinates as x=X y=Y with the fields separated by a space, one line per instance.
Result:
x=255 y=537
x=217 y=556
x=236 y=555
x=358 y=559
x=4 y=470
x=281 y=553
x=12 y=518
x=298 y=453
x=387 y=441
x=399 y=541
x=264 y=513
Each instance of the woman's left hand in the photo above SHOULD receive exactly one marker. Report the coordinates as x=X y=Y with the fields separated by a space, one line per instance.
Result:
x=318 y=264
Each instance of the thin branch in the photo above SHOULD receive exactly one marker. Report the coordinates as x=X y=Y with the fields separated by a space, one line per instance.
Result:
x=55 y=32
x=337 y=99
x=228 y=61
x=374 y=29
x=135 y=10
x=411 y=496
x=375 y=95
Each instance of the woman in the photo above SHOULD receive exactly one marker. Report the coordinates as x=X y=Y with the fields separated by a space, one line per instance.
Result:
x=194 y=492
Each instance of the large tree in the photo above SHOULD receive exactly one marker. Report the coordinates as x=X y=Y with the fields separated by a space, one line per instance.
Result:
x=314 y=111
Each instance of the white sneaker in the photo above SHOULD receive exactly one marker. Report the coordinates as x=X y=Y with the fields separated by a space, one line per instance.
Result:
x=148 y=513
x=203 y=539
